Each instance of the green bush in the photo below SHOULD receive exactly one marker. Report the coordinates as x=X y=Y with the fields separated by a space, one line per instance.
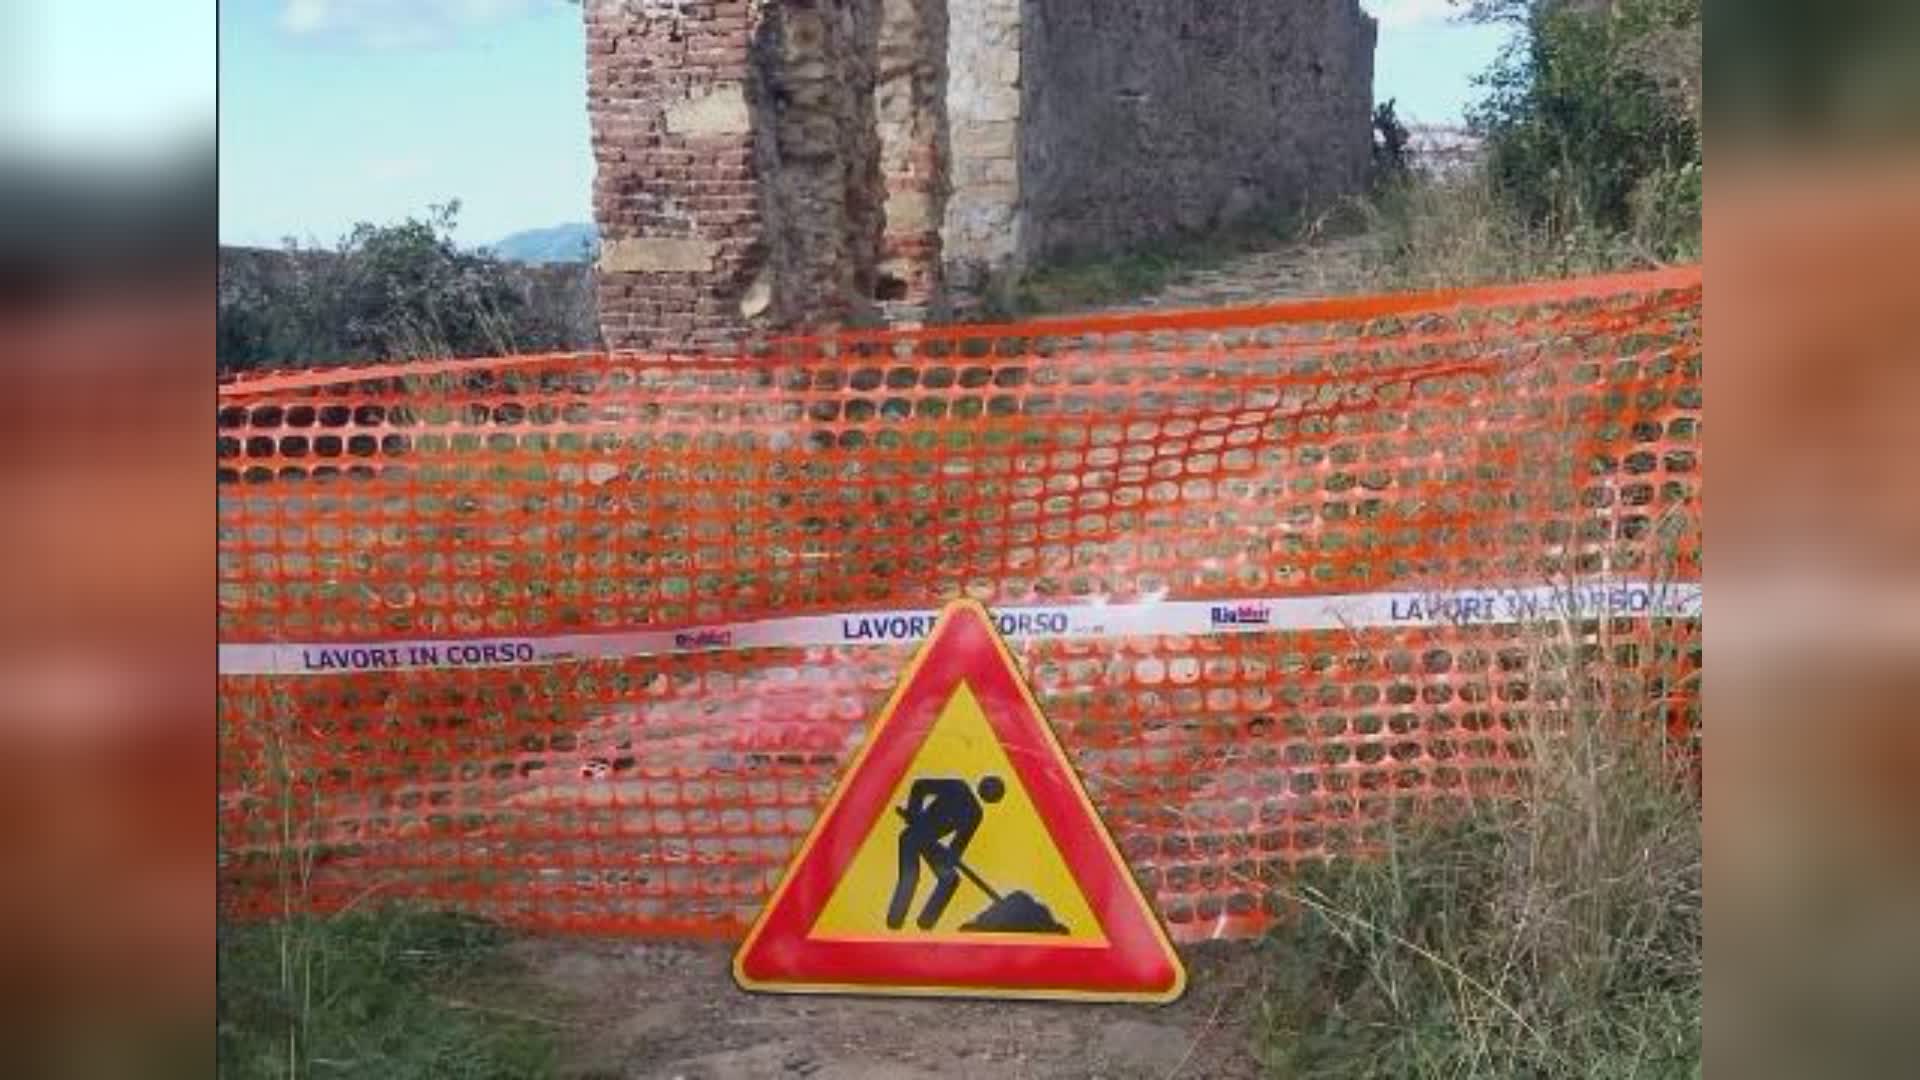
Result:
x=1666 y=209
x=1591 y=118
x=401 y=291
x=1392 y=160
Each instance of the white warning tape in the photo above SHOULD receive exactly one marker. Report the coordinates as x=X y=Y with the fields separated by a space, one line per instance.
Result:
x=1252 y=615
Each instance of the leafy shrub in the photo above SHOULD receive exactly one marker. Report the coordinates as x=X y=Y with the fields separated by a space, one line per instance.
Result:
x=400 y=291
x=1591 y=117
x=1391 y=158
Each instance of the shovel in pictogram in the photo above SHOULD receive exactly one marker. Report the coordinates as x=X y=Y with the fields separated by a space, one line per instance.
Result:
x=1016 y=912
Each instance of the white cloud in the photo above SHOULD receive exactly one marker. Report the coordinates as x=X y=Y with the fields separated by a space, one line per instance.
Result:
x=1405 y=14
x=304 y=16
x=397 y=23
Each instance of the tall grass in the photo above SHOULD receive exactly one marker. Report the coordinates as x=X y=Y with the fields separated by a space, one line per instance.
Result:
x=371 y=994
x=1446 y=231
x=1417 y=230
x=1549 y=930
x=362 y=992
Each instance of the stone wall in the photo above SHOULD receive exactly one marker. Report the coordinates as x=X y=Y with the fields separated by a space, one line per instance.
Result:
x=738 y=181
x=818 y=161
x=983 y=222
x=772 y=164
x=765 y=164
x=1143 y=117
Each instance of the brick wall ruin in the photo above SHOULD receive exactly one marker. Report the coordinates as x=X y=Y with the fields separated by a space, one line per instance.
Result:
x=682 y=221
x=771 y=164
x=738 y=162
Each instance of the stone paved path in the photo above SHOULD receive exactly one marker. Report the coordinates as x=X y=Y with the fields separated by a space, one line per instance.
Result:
x=1326 y=268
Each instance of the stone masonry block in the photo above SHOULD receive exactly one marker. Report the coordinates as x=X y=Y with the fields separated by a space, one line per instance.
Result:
x=720 y=111
x=657 y=255
x=910 y=211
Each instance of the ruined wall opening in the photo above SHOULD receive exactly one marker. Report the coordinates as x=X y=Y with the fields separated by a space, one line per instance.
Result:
x=910 y=105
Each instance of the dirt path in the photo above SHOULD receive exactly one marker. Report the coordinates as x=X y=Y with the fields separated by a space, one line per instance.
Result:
x=1327 y=267
x=649 y=1010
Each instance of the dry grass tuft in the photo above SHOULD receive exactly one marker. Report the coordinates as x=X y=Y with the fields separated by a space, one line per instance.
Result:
x=1552 y=930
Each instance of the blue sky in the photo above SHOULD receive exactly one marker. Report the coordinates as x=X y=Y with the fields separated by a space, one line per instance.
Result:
x=1426 y=58
x=337 y=111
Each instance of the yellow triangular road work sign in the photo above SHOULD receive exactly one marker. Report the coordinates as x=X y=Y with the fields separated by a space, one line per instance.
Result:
x=959 y=855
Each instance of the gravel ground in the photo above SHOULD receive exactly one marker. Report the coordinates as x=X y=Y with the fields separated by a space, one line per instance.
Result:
x=654 y=1010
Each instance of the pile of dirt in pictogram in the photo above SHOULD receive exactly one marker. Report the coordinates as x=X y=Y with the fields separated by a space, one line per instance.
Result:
x=1015 y=913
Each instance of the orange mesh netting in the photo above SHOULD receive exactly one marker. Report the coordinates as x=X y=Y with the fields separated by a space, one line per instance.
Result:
x=582 y=641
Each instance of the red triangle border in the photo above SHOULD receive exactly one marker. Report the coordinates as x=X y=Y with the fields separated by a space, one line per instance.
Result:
x=1138 y=963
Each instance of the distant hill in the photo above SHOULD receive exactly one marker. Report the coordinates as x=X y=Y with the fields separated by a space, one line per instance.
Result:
x=574 y=243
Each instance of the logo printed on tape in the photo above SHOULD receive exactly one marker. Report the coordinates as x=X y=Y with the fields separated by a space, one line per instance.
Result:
x=1242 y=615
x=711 y=638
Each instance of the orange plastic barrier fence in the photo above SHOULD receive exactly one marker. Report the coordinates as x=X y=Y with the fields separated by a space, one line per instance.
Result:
x=582 y=641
